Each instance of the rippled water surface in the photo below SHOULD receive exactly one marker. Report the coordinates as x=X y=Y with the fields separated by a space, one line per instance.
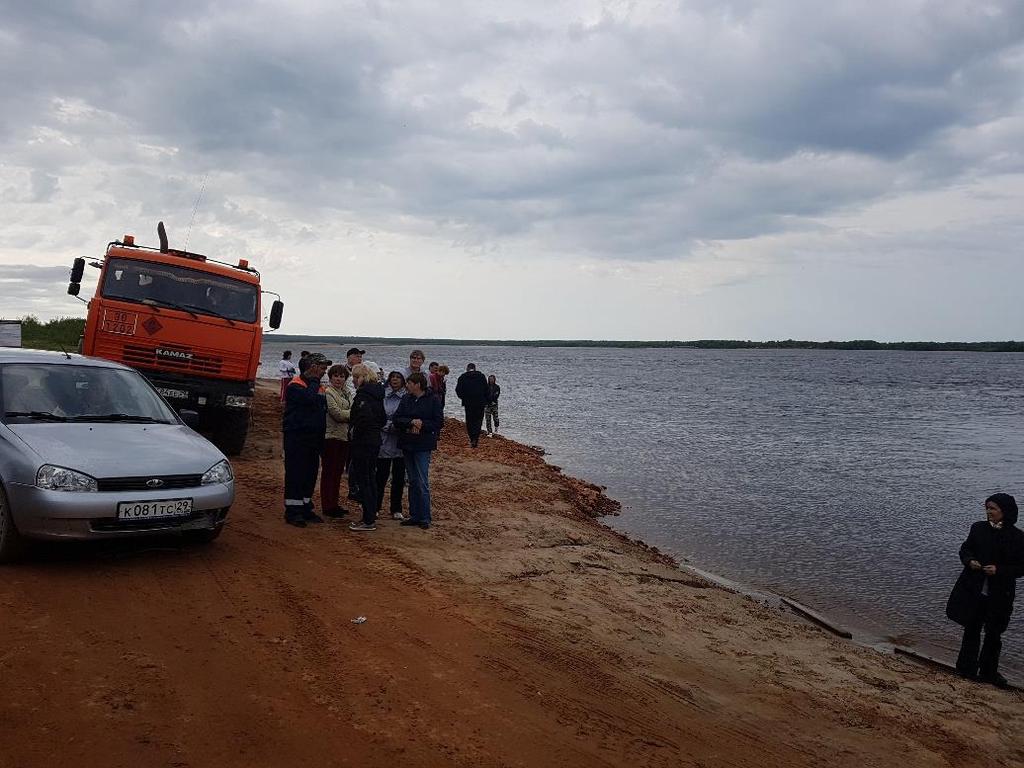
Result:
x=847 y=480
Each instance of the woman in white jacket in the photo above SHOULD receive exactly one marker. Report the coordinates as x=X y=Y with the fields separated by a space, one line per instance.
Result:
x=335 y=455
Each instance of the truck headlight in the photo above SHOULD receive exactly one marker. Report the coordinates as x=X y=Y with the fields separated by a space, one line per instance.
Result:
x=62 y=479
x=218 y=473
x=236 y=401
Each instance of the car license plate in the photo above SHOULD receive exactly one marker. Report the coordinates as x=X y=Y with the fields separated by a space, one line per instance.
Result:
x=154 y=510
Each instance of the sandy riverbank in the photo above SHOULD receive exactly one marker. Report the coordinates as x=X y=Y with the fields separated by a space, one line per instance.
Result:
x=518 y=631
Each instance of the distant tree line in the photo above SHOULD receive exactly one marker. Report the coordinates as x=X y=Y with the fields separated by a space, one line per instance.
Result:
x=65 y=331
x=861 y=344
x=866 y=344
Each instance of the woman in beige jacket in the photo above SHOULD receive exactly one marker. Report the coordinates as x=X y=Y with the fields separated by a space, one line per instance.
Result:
x=335 y=455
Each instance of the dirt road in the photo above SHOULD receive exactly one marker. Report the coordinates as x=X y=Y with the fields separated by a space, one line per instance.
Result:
x=516 y=632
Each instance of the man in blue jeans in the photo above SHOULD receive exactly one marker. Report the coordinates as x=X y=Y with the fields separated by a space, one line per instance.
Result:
x=418 y=421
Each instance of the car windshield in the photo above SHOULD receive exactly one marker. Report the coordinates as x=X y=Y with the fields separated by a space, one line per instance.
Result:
x=47 y=392
x=190 y=290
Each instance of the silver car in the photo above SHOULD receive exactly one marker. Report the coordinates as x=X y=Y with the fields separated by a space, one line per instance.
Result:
x=88 y=450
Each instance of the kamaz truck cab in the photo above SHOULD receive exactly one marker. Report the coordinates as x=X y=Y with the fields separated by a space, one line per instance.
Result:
x=190 y=324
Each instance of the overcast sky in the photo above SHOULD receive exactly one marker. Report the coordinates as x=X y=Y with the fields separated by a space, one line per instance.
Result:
x=575 y=169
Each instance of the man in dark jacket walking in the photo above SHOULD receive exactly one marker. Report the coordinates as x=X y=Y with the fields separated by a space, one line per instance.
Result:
x=305 y=419
x=367 y=419
x=473 y=391
x=993 y=558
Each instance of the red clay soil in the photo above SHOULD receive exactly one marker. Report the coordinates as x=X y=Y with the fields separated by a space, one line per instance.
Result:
x=518 y=631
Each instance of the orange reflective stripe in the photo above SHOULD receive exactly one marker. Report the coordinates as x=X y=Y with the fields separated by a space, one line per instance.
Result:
x=302 y=383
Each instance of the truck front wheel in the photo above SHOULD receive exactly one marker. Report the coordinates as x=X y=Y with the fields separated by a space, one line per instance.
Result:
x=230 y=430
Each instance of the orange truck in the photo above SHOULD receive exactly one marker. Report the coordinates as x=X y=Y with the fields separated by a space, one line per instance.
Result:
x=191 y=325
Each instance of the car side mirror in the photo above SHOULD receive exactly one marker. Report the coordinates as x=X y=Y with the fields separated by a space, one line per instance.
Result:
x=191 y=418
x=276 y=311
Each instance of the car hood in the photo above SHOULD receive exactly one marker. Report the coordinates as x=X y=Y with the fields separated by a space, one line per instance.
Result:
x=120 y=450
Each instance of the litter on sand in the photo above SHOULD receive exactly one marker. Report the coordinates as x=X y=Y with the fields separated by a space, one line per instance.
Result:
x=359 y=620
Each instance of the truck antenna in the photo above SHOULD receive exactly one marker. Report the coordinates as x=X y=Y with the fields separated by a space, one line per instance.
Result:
x=195 y=208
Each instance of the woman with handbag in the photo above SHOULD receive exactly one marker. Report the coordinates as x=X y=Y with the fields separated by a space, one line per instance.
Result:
x=993 y=558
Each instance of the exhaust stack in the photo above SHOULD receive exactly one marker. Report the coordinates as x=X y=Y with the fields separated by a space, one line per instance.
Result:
x=162 y=233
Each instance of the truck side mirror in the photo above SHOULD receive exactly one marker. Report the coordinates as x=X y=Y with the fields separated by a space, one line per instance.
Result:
x=77 y=270
x=73 y=289
x=276 y=310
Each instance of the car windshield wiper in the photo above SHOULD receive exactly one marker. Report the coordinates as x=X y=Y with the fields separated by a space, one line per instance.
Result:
x=36 y=415
x=169 y=305
x=111 y=417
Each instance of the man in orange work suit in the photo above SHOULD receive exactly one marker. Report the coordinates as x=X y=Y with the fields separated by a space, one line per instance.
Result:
x=305 y=420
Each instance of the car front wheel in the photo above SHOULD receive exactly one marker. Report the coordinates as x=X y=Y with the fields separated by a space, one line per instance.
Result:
x=12 y=545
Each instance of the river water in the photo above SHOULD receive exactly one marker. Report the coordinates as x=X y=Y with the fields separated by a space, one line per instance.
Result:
x=847 y=480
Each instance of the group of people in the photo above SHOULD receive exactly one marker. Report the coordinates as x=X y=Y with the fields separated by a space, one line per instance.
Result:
x=383 y=429
x=377 y=429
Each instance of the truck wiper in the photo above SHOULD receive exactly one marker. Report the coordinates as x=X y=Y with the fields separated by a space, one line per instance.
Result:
x=208 y=311
x=36 y=415
x=112 y=417
x=170 y=305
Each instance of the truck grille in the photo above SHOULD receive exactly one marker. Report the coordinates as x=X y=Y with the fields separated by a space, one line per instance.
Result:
x=143 y=354
x=170 y=482
x=173 y=358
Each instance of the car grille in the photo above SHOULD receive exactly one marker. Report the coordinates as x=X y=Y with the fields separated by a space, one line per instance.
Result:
x=170 y=482
x=113 y=525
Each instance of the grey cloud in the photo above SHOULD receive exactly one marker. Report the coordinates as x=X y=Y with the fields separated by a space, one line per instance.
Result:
x=30 y=274
x=27 y=288
x=518 y=99
x=620 y=138
x=43 y=186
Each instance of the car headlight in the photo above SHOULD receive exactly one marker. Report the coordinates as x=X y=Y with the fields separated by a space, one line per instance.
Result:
x=237 y=401
x=218 y=473
x=62 y=479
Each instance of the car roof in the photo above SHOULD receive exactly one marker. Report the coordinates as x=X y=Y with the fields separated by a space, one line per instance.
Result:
x=44 y=357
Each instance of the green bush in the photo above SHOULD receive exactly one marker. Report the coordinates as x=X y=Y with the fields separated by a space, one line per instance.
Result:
x=54 y=334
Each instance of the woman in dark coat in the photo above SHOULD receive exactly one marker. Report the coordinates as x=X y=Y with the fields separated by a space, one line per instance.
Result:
x=418 y=421
x=367 y=418
x=993 y=558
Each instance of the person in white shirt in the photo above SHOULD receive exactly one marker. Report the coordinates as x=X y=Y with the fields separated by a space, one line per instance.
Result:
x=416 y=359
x=353 y=358
x=286 y=370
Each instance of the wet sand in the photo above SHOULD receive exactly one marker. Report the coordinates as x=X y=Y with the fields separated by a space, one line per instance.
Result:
x=518 y=631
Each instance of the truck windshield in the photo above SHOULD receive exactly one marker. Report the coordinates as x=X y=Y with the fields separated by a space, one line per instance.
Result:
x=191 y=290
x=81 y=393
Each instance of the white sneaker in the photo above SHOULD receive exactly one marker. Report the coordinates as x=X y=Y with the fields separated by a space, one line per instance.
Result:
x=397 y=516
